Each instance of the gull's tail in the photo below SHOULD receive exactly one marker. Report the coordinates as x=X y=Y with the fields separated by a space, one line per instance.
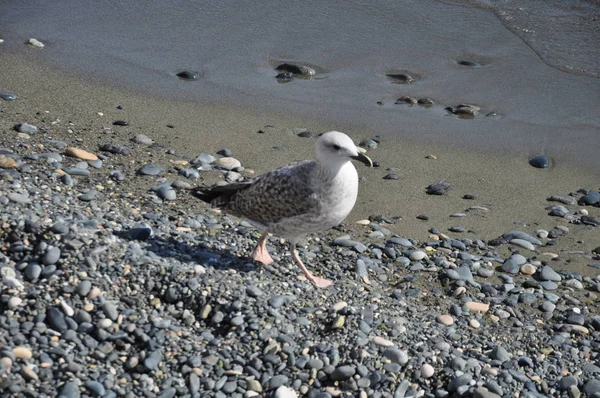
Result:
x=219 y=196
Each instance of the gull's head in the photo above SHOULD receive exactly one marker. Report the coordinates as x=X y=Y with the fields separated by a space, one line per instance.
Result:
x=336 y=147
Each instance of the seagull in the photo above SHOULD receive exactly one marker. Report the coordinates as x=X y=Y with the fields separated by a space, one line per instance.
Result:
x=297 y=199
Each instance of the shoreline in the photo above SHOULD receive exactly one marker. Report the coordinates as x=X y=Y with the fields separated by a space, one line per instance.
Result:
x=514 y=192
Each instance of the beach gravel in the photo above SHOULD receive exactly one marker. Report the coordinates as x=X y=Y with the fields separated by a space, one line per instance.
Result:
x=116 y=283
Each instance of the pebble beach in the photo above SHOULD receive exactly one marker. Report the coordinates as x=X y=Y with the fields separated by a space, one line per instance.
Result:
x=460 y=273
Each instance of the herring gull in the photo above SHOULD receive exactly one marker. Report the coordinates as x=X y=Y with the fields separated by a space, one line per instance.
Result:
x=298 y=199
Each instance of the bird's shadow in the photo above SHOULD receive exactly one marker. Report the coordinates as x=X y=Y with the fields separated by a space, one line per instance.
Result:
x=197 y=252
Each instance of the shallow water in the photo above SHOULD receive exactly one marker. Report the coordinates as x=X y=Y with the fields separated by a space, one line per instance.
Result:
x=542 y=110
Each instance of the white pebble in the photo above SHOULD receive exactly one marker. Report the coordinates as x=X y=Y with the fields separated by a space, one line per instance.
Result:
x=36 y=43
x=13 y=282
x=14 y=303
x=542 y=233
x=417 y=255
x=285 y=392
x=67 y=308
x=426 y=371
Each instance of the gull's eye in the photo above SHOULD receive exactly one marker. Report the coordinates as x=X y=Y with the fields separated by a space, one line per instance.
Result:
x=337 y=147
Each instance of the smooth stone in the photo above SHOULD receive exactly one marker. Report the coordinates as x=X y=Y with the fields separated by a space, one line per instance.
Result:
x=8 y=96
x=142 y=139
x=573 y=283
x=33 y=272
x=80 y=153
x=22 y=353
x=445 y=319
x=285 y=392
x=477 y=307
x=51 y=256
x=116 y=149
x=18 y=198
x=510 y=267
x=190 y=173
x=150 y=170
x=227 y=163
x=36 y=43
x=97 y=389
x=167 y=193
x=592 y=388
x=548 y=274
x=567 y=381
x=56 y=320
x=396 y=355
x=120 y=123
x=418 y=255
x=189 y=75
x=522 y=243
x=528 y=269
x=499 y=353
x=296 y=69
x=89 y=195
x=152 y=360
x=439 y=188
x=427 y=371
x=27 y=128
x=76 y=171
x=548 y=285
x=97 y=164
x=117 y=175
x=343 y=372
x=521 y=235
x=547 y=306
x=590 y=199
x=83 y=288
x=541 y=162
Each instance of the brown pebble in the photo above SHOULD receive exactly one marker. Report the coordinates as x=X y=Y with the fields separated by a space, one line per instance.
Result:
x=29 y=373
x=477 y=307
x=80 y=153
x=445 y=319
x=22 y=352
x=6 y=363
x=528 y=269
x=8 y=163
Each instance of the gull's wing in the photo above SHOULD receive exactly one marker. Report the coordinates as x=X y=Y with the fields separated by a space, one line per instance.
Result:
x=282 y=193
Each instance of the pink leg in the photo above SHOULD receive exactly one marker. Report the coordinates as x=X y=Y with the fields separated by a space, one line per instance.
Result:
x=260 y=252
x=319 y=282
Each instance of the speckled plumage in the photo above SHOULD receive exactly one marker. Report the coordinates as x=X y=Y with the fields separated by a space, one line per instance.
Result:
x=290 y=201
x=298 y=199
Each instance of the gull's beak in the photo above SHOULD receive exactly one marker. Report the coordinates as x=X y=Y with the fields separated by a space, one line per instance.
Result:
x=361 y=157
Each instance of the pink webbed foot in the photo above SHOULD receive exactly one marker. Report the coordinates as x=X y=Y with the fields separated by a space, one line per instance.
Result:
x=321 y=282
x=260 y=253
x=262 y=256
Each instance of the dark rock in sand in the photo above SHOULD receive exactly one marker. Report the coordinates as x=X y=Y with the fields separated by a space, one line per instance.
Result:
x=120 y=123
x=470 y=64
x=188 y=75
x=116 y=149
x=590 y=199
x=425 y=101
x=8 y=96
x=439 y=188
x=26 y=128
x=284 y=77
x=541 y=162
x=295 y=69
x=402 y=78
x=150 y=170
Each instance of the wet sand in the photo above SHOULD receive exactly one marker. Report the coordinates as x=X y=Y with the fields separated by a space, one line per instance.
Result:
x=515 y=193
